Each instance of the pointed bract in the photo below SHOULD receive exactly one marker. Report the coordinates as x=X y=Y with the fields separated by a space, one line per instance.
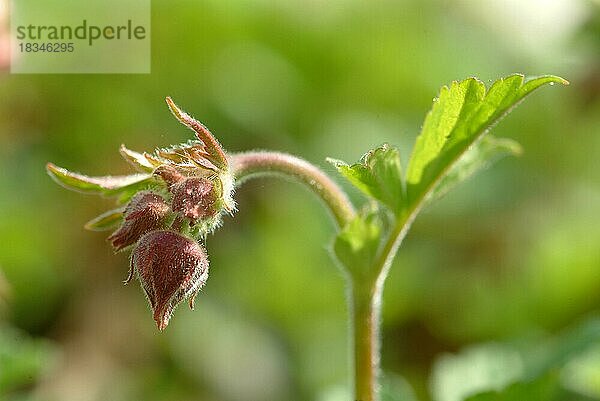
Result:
x=137 y=160
x=169 y=174
x=214 y=151
x=106 y=220
x=106 y=185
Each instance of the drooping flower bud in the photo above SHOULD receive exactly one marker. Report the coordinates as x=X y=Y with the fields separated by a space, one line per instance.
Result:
x=147 y=211
x=195 y=198
x=171 y=268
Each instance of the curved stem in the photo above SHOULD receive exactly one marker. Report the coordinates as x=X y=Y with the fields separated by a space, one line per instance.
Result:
x=259 y=163
x=365 y=294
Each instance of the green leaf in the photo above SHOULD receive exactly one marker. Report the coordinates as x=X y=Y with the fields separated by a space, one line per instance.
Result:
x=460 y=115
x=396 y=388
x=137 y=160
x=356 y=245
x=107 y=185
x=106 y=221
x=556 y=352
x=581 y=375
x=474 y=370
x=507 y=372
x=378 y=175
x=544 y=388
x=480 y=156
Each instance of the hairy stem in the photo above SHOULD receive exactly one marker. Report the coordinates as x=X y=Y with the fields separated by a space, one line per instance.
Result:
x=366 y=309
x=365 y=296
x=259 y=163
x=367 y=305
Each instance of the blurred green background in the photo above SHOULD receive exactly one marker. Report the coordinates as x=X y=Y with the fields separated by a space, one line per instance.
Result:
x=510 y=257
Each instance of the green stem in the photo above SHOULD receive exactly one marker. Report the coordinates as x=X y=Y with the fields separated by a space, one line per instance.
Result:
x=365 y=295
x=390 y=248
x=366 y=309
x=259 y=163
x=366 y=303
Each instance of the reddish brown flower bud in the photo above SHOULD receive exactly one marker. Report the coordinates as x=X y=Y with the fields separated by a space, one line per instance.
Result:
x=147 y=211
x=195 y=198
x=171 y=268
x=169 y=174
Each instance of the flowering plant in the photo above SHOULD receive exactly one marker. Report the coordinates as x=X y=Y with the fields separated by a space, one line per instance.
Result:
x=181 y=193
